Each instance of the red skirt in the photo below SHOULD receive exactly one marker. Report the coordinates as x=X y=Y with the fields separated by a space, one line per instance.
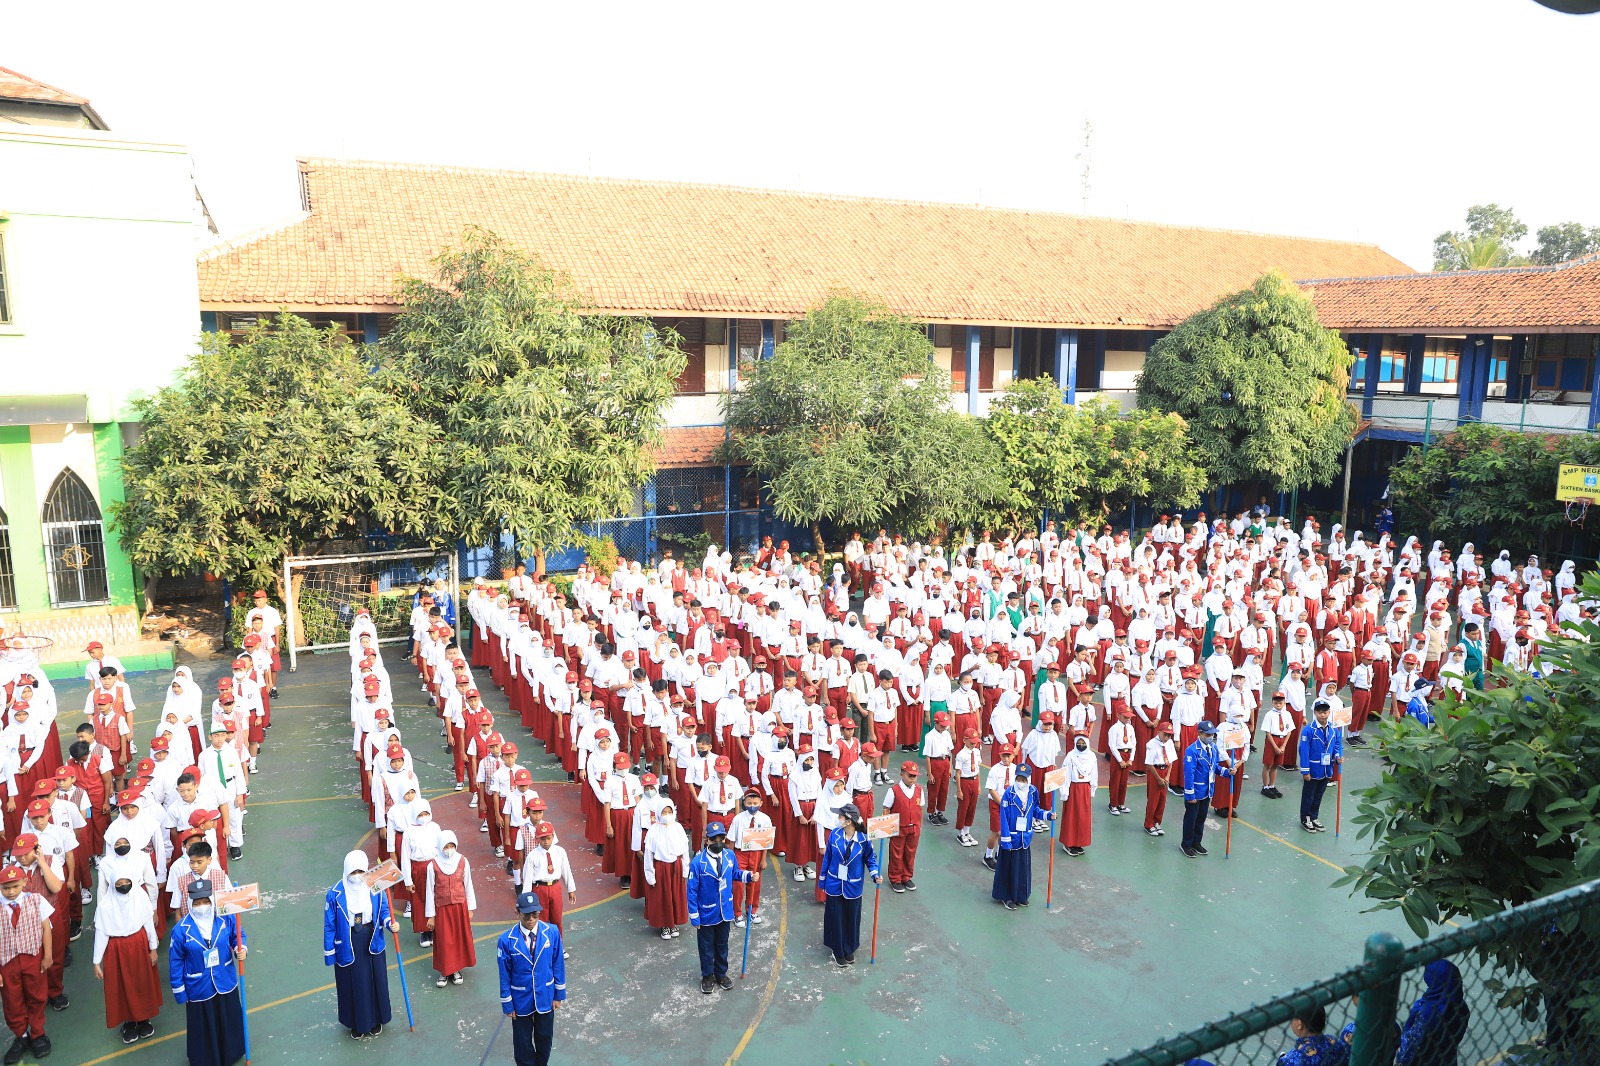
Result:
x=615 y=860
x=636 y=885
x=132 y=985
x=803 y=838
x=453 y=950
x=419 y=902
x=594 y=817
x=666 y=903
x=1077 y=811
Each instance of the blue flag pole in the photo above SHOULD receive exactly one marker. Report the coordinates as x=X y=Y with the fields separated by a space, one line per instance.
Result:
x=411 y=1022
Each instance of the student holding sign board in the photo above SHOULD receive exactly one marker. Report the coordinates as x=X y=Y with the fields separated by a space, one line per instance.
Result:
x=845 y=867
x=355 y=920
x=751 y=833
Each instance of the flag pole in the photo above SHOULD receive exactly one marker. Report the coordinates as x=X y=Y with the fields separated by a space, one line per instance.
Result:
x=244 y=1008
x=400 y=961
x=877 y=894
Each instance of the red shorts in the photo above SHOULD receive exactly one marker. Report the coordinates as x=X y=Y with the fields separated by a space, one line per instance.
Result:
x=1270 y=758
x=994 y=817
x=883 y=736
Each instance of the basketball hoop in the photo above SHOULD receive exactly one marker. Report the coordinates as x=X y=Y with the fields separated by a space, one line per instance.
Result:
x=1578 y=509
x=24 y=650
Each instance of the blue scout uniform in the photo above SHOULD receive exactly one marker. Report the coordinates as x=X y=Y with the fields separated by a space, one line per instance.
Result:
x=533 y=979
x=843 y=878
x=205 y=978
x=1013 y=872
x=1202 y=762
x=355 y=950
x=1315 y=1050
x=710 y=890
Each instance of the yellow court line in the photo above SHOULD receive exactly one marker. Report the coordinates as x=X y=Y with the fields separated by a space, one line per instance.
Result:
x=777 y=964
x=326 y=799
x=1288 y=844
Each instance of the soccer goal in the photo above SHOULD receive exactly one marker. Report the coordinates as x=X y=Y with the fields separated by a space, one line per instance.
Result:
x=323 y=593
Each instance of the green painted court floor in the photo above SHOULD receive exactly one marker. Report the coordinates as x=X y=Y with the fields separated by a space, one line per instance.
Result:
x=1140 y=942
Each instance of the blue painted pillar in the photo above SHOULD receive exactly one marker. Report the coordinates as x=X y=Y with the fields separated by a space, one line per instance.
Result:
x=972 y=370
x=1594 y=401
x=1515 y=386
x=769 y=335
x=1414 y=355
x=1472 y=377
x=1369 y=387
x=208 y=321
x=1067 y=363
x=369 y=329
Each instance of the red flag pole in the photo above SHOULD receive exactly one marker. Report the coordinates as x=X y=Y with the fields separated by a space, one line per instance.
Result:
x=1227 y=844
x=1050 y=878
x=1338 y=797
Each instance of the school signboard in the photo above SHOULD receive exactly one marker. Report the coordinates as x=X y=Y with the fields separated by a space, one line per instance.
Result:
x=1574 y=482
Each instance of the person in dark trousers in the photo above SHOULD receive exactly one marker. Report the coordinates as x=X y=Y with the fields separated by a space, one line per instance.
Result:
x=1202 y=764
x=354 y=922
x=710 y=890
x=204 y=973
x=843 y=878
x=1019 y=810
x=1321 y=752
x=533 y=982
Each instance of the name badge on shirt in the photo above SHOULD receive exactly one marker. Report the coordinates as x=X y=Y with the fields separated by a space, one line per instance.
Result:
x=1022 y=823
x=212 y=961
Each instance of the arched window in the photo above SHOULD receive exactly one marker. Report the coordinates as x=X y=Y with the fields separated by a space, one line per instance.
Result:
x=74 y=543
x=8 y=579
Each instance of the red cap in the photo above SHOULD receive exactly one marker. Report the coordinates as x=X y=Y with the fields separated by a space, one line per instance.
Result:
x=521 y=776
x=395 y=750
x=543 y=829
x=648 y=780
x=941 y=718
x=38 y=807
x=200 y=818
x=102 y=698
x=25 y=843
x=836 y=774
x=11 y=875
x=622 y=761
x=372 y=685
x=146 y=768
x=869 y=750
x=161 y=743
x=259 y=594
x=723 y=764
x=602 y=733
x=127 y=796
x=472 y=693
x=909 y=767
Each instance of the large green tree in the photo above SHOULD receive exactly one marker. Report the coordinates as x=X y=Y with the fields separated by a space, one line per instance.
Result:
x=276 y=444
x=547 y=416
x=1085 y=461
x=1565 y=241
x=1497 y=805
x=1489 y=483
x=850 y=421
x=1261 y=385
x=1490 y=240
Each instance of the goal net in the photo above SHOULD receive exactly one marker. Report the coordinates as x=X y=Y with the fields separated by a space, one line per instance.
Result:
x=323 y=593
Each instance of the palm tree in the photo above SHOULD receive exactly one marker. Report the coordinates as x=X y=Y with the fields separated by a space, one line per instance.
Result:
x=1483 y=252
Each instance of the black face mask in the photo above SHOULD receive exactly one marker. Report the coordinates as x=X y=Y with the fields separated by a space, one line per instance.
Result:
x=714 y=845
x=124 y=888
x=123 y=849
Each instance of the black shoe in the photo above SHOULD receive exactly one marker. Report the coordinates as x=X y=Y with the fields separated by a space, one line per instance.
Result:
x=909 y=885
x=725 y=982
x=41 y=1045
x=509 y=868
x=235 y=854
x=66 y=957
x=1138 y=773
x=599 y=849
x=991 y=862
x=60 y=1002
x=850 y=958
x=273 y=694
x=19 y=1048
x=840 y=960
x=1201 y=849
x=1174 y=791
x=76 y=931
x=627 y=882
x=148 y=1029
x=1318 y=826
x=895 y=886
x=1010 y=906
x=706 y=985
x=130 y=1033
x=376 y=1032
x=571 y=777
x=1074 y=852
x=1190 y=852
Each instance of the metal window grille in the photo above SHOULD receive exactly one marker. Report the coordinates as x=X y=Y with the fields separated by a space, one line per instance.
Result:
x=8 y=573
x=75 y=544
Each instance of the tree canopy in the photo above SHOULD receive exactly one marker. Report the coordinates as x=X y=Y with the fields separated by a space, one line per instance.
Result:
x=1086 y=461
x=272 y=445
x=1564 y=241
x=1490 y=240
x=547 y=416
x=1489 y=483
x=850 y=422
x=1260 y=384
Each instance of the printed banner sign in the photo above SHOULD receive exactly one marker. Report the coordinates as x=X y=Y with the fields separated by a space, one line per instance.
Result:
x=383 y=876
x=1055 y=780
x=239 y=900
x=756 y=840
x=883 y=827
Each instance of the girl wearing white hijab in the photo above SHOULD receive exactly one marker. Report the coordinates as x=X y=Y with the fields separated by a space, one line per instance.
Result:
x=420 y=845
x=354 y=920
x=184 y=703
x=451 y=902
x=125 y=944
x=666 y=866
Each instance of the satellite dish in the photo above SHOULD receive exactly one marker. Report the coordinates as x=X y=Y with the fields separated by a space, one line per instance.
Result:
x=1572 y=7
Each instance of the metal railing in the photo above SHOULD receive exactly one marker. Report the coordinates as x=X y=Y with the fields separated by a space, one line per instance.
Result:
x=1522 y=989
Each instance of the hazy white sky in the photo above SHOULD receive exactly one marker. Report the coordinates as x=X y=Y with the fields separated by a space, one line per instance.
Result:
x=1372 y=120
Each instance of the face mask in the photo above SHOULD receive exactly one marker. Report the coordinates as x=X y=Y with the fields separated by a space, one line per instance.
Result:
x=200 y=910
x=354 y=878
x=714 y=846
x=124 y=887
x=1020 y=787
x=668 y=817
x=449 y=853
x=751 y=810
x=123 y=849
x=1082 y=746
x=784 y=743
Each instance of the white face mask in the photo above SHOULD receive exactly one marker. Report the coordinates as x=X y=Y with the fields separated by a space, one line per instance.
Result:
x=201 y=910
x=668 y=817
x=355 y=877
x=449 y=853
x=1019 y=787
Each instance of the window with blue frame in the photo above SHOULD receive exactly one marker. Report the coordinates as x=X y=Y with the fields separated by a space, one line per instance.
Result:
x=1564 y=362
x=1441 y=361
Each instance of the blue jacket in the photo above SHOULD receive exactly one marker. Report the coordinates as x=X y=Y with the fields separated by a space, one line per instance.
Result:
x=530 y=984
x=1201 y=763
x=1417 y=707
x=711 y=898
x=337 y=946
x=192 y=980
x=846 y=865
x=1321 y=748
x=1020 y=810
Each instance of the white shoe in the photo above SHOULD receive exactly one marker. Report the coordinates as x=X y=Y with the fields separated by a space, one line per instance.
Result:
x=85 y=896
x=756 y=919
x=460 y=787
x=473 y=803
x=666 y=934
x=483 y=827
x=407 y=914
x=799 y=873
x=674 y=935
x=738 y=923
x=812 y=874
x=500 y=852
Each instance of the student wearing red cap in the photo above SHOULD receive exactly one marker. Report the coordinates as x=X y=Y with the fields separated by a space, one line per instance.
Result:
x=547 y=872
x=1160 y=759
x=26 y=954
x=751 y=854
x=46 y=879
x=623 y=792
x=968 y=763
x=907 y=799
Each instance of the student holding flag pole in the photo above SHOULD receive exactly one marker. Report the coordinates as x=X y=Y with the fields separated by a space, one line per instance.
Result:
x=202 y=966
x=354 y=920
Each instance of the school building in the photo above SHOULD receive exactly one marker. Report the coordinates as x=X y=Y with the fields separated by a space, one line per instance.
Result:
x=98 y=235
x=1006 y=294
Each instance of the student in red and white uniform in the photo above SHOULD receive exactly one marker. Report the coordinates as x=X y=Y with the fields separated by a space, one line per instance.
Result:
x=1124 y=743
x=1161 y=763
x=937 y=747
x=967 y=763
x=451 y=902
x=751 y=854
x=1001 y=777
x=907 y=799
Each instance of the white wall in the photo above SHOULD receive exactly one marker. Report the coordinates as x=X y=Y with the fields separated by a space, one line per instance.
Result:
x=1121 y=370
x=695 y=410
x=100 y=263
x=55 y=448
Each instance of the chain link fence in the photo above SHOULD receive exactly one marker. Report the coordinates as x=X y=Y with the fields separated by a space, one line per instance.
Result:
x=1519 y=989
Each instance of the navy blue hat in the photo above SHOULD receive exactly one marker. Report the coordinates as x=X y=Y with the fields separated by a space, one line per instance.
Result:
x=1024 y=770
x=528 y=903
x=716 y=829
x=1207 y=727
x=200 y=889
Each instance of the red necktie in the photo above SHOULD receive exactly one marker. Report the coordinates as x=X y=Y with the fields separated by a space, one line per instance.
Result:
x=16 y=915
